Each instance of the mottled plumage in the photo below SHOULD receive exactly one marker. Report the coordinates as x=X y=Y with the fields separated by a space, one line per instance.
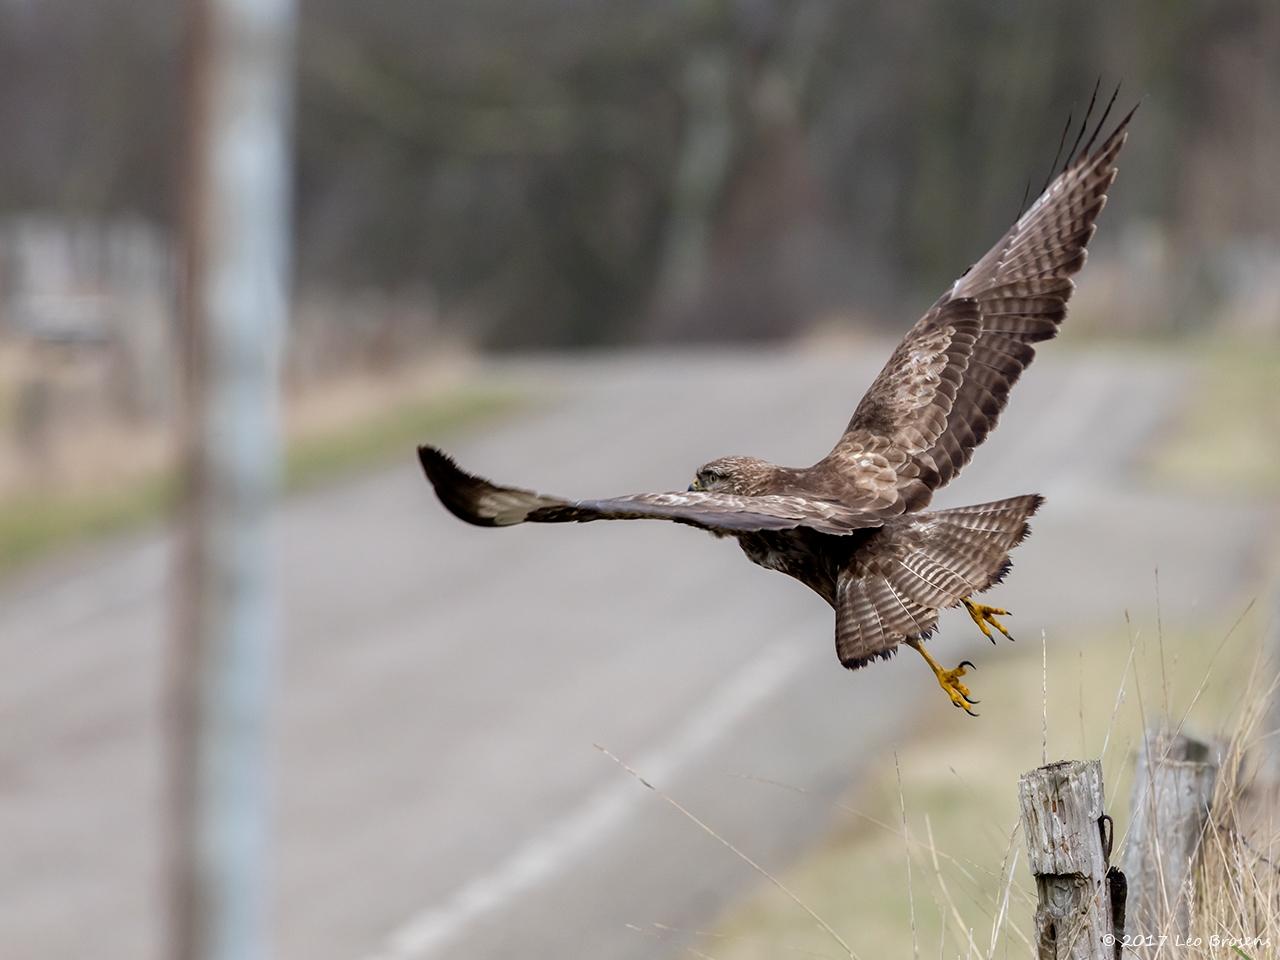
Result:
x=850 y=527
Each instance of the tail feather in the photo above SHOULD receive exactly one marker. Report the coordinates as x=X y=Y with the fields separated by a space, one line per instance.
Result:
x=969 y=546
x=916 y=565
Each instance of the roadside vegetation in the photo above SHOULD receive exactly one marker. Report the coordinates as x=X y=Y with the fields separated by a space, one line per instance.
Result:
x=955 y=784
x=1229 y=435
x=34 y=523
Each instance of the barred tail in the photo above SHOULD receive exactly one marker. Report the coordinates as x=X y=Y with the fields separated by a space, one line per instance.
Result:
x=963 y=551
x=916 y=565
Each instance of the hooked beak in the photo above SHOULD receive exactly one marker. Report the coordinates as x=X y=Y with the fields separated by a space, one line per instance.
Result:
x=695 y=487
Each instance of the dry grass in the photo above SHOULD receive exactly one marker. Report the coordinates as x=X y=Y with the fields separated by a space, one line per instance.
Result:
x=932 y=865
x=1234 y=894
x=1229 y=437
x=118 y=482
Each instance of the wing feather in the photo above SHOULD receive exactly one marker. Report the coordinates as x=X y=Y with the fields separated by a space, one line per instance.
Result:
x=908 y=405
x=946 y=384
x=487 y=504
x=1022 y=286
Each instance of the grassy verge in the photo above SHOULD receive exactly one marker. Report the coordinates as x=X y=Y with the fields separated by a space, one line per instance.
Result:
x=1229 y=436
x=390 y=436
x=34 y=525
x=958 y=791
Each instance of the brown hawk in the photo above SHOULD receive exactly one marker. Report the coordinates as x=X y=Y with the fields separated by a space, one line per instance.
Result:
x=850 y=527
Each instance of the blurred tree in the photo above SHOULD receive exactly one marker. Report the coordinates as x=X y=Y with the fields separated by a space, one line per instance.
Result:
x=567 y=172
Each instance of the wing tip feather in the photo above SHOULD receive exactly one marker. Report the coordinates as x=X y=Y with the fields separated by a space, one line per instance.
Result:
x=464 y=494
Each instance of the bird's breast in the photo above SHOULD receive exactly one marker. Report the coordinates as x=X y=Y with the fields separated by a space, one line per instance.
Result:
x=790 y=552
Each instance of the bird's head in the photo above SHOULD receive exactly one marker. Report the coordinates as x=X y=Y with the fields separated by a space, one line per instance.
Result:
x=739 y=475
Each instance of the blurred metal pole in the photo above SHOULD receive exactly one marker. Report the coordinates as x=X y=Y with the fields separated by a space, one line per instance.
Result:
x=234 y=306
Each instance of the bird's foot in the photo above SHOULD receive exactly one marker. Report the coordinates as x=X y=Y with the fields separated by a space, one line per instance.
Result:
x=949 y=680
x=983 y=615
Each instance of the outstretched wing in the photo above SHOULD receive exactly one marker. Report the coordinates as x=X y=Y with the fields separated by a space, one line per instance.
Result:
x=948 y=381
x=907 y=407
x=486 y=504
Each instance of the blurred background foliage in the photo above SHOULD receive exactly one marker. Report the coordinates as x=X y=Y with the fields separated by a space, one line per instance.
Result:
x=566 y=173
x=483 y=176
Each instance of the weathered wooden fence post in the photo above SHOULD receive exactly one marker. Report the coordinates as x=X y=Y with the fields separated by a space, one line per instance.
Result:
x=1172 y=794
x=1269 y=748
x=1068 y=837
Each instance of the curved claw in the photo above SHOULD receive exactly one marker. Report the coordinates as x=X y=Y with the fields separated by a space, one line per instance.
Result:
x=949 y=680
x=983 y=615
x=957 y=691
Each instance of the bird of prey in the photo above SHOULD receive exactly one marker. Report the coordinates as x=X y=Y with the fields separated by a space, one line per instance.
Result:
x=852 y=527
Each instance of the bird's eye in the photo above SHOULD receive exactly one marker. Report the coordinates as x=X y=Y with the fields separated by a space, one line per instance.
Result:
x=712 y=476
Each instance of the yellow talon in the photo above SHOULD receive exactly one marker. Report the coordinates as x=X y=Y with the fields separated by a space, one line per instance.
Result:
x=949 y=680
x=982 y=615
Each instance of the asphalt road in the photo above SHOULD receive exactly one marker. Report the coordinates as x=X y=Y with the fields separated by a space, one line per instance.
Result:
x=441 y=687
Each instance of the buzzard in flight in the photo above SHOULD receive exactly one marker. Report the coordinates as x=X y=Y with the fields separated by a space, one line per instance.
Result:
x=852 y=527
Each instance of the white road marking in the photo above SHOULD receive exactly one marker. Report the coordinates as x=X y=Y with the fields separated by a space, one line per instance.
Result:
x=552 y=850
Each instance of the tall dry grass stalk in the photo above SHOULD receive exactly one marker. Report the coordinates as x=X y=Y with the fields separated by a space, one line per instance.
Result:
x=955 y=903
x=1237 y=908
